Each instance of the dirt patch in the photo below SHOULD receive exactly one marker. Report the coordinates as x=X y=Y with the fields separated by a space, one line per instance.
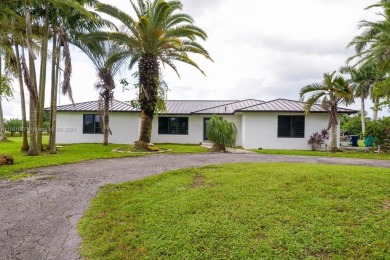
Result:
x=199 y=181
x=320 y=255
x=386 y=204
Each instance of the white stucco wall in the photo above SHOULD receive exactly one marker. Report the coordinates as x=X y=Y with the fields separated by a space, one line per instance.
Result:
x=260 y=130
x=124 y=126
x=195 y=130
x=255 y=130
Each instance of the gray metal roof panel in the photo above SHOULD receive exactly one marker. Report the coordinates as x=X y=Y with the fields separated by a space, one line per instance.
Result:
x=229 y=108
x=189 y=106
x=206 y=107
x=115 y=106
x=285 y=105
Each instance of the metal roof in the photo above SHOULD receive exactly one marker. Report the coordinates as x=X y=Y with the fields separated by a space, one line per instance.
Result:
x=229 y=108
x=93 y=106
x=186 y=107
x=190 y=106
x=285 y=105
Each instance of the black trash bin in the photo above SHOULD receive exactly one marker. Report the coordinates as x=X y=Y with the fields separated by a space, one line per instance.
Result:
x=354 y=140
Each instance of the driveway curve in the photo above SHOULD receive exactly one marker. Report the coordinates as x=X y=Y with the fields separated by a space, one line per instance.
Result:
x=38 y=217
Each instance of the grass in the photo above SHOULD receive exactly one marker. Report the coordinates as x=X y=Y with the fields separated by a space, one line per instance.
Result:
x=69 y=154
x=356 y=154
x=243 y=211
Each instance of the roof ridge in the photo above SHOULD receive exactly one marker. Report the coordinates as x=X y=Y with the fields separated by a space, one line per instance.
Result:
x=123 y=102
x=264 y=102
x=220 y=105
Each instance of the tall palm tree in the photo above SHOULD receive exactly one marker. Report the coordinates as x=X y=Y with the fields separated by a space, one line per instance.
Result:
x=5 y=92
x=160 y=33
x=99 y=53
x=362 y=82
x=333 y=91
x=373 y=45
x=66 y=26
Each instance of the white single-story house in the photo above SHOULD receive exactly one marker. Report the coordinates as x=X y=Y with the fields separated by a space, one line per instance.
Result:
x=276 y=124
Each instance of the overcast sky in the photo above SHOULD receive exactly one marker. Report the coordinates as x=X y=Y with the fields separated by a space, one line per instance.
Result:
x=262 y=50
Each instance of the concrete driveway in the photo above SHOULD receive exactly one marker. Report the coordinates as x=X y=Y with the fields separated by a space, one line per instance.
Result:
x=38 y=217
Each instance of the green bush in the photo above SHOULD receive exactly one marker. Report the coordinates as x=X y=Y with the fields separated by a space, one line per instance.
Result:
x=13 y=126
x=353 y=124
x=222 y=133
x=380 y=131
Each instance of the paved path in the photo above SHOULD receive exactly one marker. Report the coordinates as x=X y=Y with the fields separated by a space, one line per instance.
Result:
x=38 y=217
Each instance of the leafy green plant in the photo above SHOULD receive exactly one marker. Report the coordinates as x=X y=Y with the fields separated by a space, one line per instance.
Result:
x=13 y=125
x=380 y=130
x=353 y=125
x=222 y=133
x=317 y=139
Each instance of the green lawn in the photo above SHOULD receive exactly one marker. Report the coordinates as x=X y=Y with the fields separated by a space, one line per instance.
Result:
x=243 y=211
x=346 y=154
x=70 y=154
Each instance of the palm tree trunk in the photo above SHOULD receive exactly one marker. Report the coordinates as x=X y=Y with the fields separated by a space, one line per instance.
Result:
x=42 y=78
x=333 y=130
x=54 y=90
x=33 y=81
x=33 y=149
x=363 y=111
x=106 y=118
x=25 y=146
x=3 y=137
x=375 y=112
x=333 y=139
x=148 y=95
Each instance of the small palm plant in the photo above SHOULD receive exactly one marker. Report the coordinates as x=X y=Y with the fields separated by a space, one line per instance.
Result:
x=222 y=133
x=333 y=91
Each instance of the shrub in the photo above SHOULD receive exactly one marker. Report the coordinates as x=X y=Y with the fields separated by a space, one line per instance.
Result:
x=13 y=125
x=380 y=131
x=222 y=133
x=316 y=140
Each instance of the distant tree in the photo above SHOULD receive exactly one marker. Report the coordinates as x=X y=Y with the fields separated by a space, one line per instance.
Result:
x=353 y=124
x=372 y=46
x=222 y=133
x=380 y=131
x=13 y=125
x=362 y=80
x=333 y=91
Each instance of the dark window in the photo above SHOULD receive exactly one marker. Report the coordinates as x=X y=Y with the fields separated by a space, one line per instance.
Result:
x=291 y=126
x=91 y=124
x=173 y=125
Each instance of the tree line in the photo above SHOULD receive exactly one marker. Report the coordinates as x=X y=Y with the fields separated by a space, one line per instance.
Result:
x=159 y=34
x=365 y=75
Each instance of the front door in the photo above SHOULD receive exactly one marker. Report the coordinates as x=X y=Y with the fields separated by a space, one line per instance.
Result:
x=205 y=123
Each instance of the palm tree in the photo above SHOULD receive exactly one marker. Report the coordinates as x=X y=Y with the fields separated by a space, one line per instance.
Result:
x=5 y=92
x=362 y=82
x=159 y=34
x=373 y=46
x=99 y=53
x=66 y=26
x=7 y=59
x=333 y=91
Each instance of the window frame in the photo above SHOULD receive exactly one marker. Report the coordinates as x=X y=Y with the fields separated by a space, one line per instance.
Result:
x=94 y=122
x=291 y=127
x=168 y=126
